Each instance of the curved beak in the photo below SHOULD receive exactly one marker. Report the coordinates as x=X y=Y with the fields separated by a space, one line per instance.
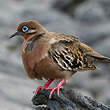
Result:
x=13 y=35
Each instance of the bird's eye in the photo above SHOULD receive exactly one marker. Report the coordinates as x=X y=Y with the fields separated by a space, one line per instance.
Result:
x=25 y=28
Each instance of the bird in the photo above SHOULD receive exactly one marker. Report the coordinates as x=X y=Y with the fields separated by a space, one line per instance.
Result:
x=54 y=56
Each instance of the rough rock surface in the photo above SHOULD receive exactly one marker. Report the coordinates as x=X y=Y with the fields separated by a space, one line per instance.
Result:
x=90 y=20
x=70 y=99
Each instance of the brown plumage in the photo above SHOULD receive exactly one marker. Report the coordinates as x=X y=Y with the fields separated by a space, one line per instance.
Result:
x=52 y=55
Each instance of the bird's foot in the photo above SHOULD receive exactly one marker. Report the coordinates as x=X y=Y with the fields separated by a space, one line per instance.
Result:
x=45 y=86
x=40 y=87
x=58 y=87
x=53 y=89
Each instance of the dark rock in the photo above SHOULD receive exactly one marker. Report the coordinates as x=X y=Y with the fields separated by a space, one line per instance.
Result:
x=67 y=6
x=68 y=100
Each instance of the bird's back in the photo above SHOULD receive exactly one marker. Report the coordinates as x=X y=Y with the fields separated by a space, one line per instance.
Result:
x=64 y=52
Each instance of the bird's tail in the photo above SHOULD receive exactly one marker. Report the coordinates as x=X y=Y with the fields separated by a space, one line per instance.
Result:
x=98 y=57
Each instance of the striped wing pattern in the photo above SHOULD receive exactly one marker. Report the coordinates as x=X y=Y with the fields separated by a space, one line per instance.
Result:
x=70 y=60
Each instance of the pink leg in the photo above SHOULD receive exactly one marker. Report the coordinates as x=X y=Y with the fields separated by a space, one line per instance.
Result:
x=58 y=87
x=45 y=85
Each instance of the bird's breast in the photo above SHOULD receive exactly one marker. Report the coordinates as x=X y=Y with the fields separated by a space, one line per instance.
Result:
x=34 y=53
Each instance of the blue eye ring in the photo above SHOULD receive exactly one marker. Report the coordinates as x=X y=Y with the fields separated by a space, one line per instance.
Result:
x=25 y=28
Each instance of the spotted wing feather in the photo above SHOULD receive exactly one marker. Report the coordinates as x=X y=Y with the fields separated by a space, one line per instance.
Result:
x=68 y=56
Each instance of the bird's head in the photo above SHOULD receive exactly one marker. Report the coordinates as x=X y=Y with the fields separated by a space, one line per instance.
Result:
x=28 y=29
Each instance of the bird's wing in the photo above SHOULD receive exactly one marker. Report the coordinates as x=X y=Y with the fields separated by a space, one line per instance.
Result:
x=68 y=56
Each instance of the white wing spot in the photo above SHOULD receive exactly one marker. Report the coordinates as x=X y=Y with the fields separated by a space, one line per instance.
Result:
x=52 y=41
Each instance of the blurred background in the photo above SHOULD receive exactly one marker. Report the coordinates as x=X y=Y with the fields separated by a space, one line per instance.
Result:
x=88 y=19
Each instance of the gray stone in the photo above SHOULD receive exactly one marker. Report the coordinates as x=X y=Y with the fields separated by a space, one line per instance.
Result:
x=90 y=13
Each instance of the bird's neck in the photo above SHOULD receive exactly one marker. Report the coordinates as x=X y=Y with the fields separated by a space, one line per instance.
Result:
x=30 y=39
x=29 y=36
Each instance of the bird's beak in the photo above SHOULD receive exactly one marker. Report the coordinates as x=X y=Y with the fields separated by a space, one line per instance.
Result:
x=16 y=33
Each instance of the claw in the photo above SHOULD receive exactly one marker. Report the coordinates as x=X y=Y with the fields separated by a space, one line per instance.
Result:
x=53 y=89
x=57 y=88
x=40 y=87
x=43 y=87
